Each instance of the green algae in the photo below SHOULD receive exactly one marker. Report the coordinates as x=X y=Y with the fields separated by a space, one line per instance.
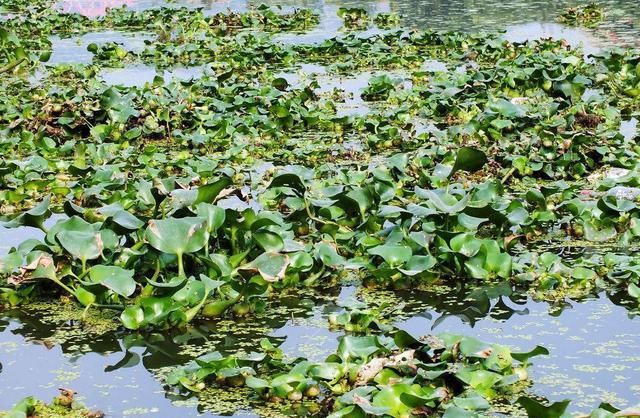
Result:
x=71 y=322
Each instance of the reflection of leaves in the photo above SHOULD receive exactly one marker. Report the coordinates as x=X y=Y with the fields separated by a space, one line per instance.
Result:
x=502 y=312
x=130 y=359
x=536 y=409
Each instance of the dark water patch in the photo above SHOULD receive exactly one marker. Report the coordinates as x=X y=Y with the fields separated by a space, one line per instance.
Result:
x=46 y=346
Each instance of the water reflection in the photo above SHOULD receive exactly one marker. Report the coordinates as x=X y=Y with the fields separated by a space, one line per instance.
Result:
x=74 y=50
x=537 y=30
x=92 y=8
x=622 y=24
x=593 y=344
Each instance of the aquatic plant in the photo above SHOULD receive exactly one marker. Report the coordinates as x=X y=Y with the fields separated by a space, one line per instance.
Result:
x=172 y=201
x=62 y=406
x=395 y=375
x=588 y=15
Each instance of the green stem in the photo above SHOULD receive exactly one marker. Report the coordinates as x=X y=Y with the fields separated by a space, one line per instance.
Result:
x=82 y=275
x=180 y=266
x=234 y=244
x=43 y=228
x=86 y=310
x=157 y=272
x=509 y=173
x=313 y=218
x=62 y=285
x=191 y=313
x=313 y=277
x=137 y=245
x=11 y=65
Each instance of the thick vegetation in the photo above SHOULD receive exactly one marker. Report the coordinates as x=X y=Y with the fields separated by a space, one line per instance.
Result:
x=175 y=200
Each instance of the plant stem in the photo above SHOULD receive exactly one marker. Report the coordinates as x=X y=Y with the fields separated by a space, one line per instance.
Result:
x=137 y=245
x=86 y=310
x=11 y=65
x=156 y=273
x=506 y=176
x=62 y=285
x=234 y=244
x=180 y=266
x=313 y=218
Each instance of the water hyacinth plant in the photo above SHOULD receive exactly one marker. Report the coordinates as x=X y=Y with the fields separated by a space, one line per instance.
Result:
x=464 y=161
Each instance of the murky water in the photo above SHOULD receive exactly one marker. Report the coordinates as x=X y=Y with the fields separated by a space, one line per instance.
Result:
x=595 y=343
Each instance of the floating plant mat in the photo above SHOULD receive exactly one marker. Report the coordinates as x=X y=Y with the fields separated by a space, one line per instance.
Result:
x=205 y=227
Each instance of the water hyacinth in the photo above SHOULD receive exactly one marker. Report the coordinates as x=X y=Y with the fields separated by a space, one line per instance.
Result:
x=465 y=160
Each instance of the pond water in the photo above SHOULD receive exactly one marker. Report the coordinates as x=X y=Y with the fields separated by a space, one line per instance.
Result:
x=594 y=343
x=622 y=24
x=521 y=20
x=594 y=348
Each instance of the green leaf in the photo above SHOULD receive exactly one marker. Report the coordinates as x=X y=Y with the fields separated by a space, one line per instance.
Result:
x=177 y=236
x=507 y=109
x=418 y=264
x=85 y=297
x=351 y=347
x=114 y=278
x=132 y=317
x=394 y=255
x=121 y=217
x=84 y=245
x=271 y=266
x=34 y=217
x=210 y=191
x=469 y=159
x=524 y=357
x=466 y=244
x=456 y=412
x=328 y=254
x=390 y=397
x=24 y=408
x=214 y=216
x=269 y=241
